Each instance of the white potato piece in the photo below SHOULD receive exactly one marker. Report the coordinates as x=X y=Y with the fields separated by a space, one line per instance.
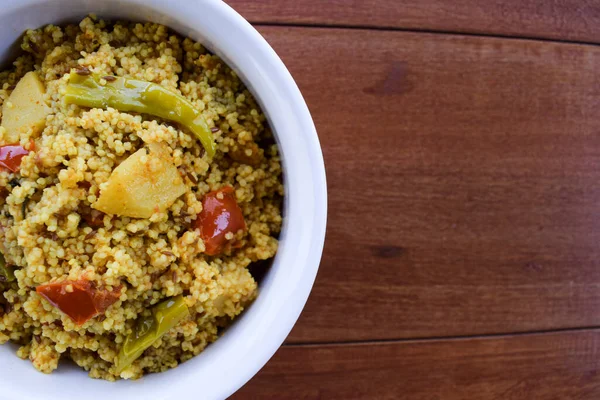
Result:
x=25 y=109
x=142 y=185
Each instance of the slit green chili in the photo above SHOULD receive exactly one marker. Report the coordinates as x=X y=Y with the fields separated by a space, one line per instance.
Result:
x=149 y=329
x=142 y=97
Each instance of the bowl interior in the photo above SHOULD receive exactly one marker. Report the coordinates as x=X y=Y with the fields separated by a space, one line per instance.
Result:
x=246 y=346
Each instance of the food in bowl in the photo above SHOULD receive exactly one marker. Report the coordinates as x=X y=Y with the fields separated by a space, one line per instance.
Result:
x=140 y=182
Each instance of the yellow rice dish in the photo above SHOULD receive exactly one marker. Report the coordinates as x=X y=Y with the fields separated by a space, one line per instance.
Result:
x=139 y=182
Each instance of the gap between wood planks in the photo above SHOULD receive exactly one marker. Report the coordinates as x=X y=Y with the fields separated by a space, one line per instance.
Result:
x=444 y=338
x=423 y=31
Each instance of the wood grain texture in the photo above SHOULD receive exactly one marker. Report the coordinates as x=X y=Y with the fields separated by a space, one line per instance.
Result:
x=463 y=183
x=566 y=20
x=541 y=367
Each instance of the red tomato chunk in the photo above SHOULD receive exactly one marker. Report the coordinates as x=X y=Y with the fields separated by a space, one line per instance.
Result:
x=220 y=215
x=11 y=155
x=81 y=303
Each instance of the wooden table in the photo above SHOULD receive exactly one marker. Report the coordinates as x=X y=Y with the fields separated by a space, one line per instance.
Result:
x=462 y=146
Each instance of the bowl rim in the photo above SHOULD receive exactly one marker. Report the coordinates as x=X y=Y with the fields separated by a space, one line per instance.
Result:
x=266 y=324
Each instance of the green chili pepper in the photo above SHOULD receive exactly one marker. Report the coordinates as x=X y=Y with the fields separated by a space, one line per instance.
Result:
x=6 y=271
x=148 y=330
x=139 y=96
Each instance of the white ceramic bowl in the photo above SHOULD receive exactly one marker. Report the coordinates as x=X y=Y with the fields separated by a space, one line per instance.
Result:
x=244 y=348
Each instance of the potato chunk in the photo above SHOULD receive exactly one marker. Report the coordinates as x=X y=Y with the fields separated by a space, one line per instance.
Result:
x=142 y=185
x=25 y=109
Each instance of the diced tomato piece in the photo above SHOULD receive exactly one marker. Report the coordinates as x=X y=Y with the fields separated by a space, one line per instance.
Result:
x=11 y=155
x=220 y=215
x=81 y=303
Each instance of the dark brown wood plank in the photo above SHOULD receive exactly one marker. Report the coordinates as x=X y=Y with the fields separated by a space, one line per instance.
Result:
x=463 y=183
x=566 y=20
x=541 y=367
